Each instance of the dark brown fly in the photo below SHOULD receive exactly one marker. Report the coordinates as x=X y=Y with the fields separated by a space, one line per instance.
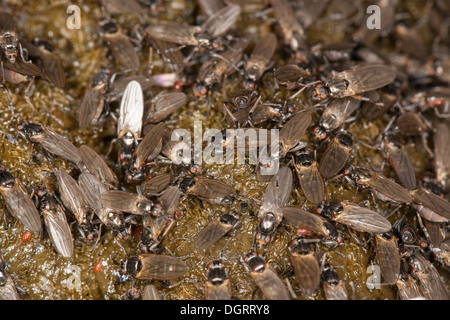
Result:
x=50 y=140
x=336 y=155
x=93 y=100
x=18 y=201
x=306 y=266
x=411 y=123
x=92 y=189
x=217 y=286
x=127 y=202
x=309 y=176
x=206 y=189
x=97 y=166
x=216 y=25
x=356 y=217
x=11 y=55
x=292 y=132
x=354 y=81
x=334 y=116
x=155 y=228
x=290 y=28
x=333 y=286
x=241 y=101
x=154 y=267
x=120 y=44
x=163 y=105
x=399 y=160
x=266 y=278
x=217 y=67
x=270 y=211
x=382 y=188
x=148 y=149
x=76 y=202
x=406 y=285
x=47 y=60
x=56 y=223
x=313 y=223
x=388 y=256
x=216 y=229
x=259 y=59
x=430 y=206
x=291 y=76
x=430 y=282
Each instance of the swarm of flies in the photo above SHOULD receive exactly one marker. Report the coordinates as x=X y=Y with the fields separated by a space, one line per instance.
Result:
x=363 y=150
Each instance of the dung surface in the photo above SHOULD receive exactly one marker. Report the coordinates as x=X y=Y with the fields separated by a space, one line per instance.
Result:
x=41 y=273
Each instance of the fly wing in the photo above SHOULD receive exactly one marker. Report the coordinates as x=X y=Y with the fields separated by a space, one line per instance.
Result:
x=71 y=195
x=170 y=200
x=22 y=67
x=161 y=267
x=211 y=190
x=442 y=151
x=261 y=55
x=432 y=202
x=91 y=107
x=171 y=57
x=59 y=231
x=221 y=21
x=389 y=188
x=173 y=32
x=123 y=50
x=164 y=105
x=367 y=78
x=97 y=166
x=156 y=184
x=402 y=165
x=278 y=192
x=305 y=220
x=211 y=234
x=149 y=143
x=8 y=290
x=363 y=219
x=335 y=292
x=20 y=205
x=307 y=271
x=294 y=130
x=131 y=110
x=92 y=189
x=271 y=285
x=122 y=201
x=312 y=183
x=388 y=258
x=333 y=159
x=293 y=32
x=60 y=146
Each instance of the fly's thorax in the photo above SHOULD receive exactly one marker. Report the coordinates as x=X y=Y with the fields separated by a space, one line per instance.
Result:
x=216 y=273
x=30 y=129
x=186 y=184
x=345 y=139
x=131 y=266
x=303 y=159
x=329 y=275
x=330 y=210
x=255 y=262
x=301 y=247
x=7 y=180
x=231 y=217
